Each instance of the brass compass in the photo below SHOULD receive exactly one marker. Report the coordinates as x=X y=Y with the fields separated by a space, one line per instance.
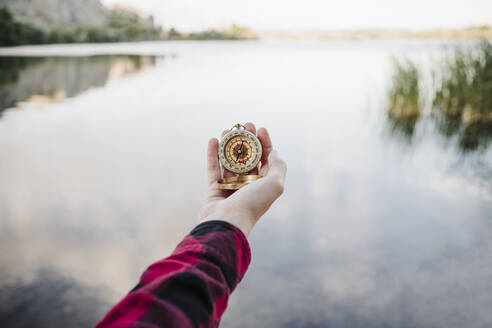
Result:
x=239 y=152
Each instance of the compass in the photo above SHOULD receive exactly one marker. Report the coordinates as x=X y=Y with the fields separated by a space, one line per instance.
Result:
x=239 y=152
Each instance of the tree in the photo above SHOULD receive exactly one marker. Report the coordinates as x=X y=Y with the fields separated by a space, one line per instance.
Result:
x=13 y=33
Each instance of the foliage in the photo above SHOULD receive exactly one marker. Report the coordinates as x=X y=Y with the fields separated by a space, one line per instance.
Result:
x=14 y=33
x=233 y=33
x=126 y=28
x=463 y=101
x=173 y=34
x=119 y=28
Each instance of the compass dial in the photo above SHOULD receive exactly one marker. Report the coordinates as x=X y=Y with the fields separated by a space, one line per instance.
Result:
x=240 y=151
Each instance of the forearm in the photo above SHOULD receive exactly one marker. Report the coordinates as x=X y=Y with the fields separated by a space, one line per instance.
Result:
x=243 y=220
x=191 y=287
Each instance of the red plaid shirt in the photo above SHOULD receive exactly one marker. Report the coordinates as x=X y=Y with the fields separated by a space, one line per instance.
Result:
x=191 y=287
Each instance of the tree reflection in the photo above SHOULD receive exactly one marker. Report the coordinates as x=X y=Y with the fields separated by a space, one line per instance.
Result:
x=54 y=78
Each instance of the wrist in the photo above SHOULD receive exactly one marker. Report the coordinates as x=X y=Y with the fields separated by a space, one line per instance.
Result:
x=241 y=219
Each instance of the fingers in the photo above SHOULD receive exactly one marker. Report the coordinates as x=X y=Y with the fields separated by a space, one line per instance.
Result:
x=250 y=127
x=273 y=184
x=259 y=195
x=266 y=145
x=278 y=168
x=213 y=167
x=225 y=173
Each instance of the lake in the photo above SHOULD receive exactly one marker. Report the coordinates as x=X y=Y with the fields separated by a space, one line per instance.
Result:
x=102 y=172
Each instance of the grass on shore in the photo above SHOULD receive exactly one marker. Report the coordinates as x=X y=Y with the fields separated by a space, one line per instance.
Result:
x=461 y=102
x=404 y=106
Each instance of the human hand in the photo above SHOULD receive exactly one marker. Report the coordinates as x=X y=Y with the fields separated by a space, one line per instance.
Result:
x=244 y=207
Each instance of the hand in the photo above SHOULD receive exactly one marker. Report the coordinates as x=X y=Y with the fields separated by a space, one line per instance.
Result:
x=244 y=207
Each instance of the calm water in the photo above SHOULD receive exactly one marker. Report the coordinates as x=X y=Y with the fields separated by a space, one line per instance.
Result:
x=102 y=171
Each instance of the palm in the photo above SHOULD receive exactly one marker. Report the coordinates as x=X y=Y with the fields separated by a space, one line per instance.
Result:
x=215 y=196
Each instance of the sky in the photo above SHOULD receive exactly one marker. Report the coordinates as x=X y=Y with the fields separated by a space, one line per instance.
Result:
x=295 y=15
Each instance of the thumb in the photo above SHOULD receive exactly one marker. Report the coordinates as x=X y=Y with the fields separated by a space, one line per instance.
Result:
x=257 y=197
x=273 y=183
x=277 y=169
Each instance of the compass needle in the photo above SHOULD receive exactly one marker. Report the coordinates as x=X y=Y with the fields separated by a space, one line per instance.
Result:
x=239 y=152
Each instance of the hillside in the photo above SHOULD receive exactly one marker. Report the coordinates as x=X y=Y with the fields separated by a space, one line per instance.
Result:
x=24 y=22
x=46 y=13
x=71 y=21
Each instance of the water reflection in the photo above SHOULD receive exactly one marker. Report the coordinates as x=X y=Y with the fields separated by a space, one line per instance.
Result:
x=52 y=79
x=97 y=187
x=50 y=299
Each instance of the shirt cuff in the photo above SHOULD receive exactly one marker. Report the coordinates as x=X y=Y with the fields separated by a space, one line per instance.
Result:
x=228 y=242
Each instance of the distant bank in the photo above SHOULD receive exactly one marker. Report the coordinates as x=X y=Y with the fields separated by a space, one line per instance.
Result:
x=471 y=33
x=71 y=21
x=26 y=22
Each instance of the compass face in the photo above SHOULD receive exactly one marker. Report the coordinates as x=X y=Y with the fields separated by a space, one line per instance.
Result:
x=240 y=151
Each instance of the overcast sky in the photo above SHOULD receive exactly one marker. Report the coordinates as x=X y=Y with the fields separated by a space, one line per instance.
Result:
x=316 y=14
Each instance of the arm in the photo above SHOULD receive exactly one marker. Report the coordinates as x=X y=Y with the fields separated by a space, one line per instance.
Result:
x=191 y=287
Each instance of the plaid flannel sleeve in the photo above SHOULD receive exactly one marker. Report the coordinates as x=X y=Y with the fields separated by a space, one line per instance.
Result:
x=191 y=287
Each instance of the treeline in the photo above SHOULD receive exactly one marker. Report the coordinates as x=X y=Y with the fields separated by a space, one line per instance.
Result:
x=14 y=33
x=235 y=32
x=118 y=29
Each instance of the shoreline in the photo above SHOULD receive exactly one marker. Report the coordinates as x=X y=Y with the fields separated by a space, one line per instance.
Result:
x=158 y=48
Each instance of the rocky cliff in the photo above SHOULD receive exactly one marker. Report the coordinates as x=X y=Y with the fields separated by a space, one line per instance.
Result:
x=71 y=21
x=47 y=13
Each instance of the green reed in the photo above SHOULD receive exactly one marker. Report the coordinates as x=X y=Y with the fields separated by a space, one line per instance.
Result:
x=461 y=98
x=404 y=105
